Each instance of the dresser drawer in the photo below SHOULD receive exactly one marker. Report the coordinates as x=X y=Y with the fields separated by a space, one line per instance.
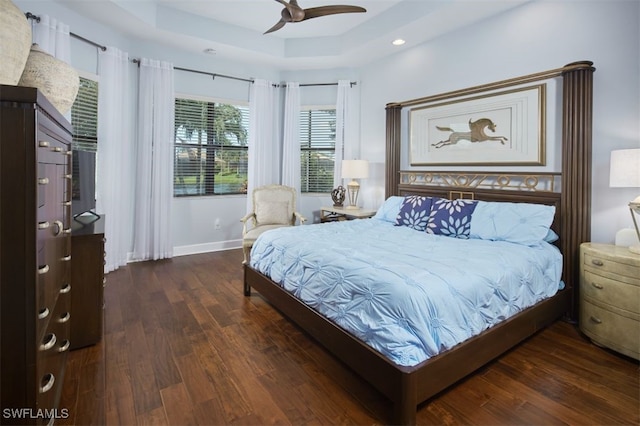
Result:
x=605 y=265
x=610 y=329
x=52 y=353
x=608 y=291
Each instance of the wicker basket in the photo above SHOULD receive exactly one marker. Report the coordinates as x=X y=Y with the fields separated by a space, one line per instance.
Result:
x=15 y=41
x=56 y=79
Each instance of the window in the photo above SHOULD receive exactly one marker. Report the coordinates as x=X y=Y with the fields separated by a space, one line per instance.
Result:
x=210 y=156
x=84 y=116
x=317 y=149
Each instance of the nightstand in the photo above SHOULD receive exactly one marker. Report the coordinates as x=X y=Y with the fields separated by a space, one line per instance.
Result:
x=610 y=297
x=332 y=214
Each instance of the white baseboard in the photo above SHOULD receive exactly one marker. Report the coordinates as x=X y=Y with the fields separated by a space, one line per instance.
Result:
x=207 y=247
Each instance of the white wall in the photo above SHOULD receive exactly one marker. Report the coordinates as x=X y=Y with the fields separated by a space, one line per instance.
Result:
x=537 y=36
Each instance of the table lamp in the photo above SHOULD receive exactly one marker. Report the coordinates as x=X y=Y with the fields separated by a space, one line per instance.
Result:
x=354 y=169
x=625 y=173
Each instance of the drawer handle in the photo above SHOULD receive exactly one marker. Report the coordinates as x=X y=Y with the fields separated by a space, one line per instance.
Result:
x=43 y=269
x=597 y=262
x=596 y=320
x=43 y=144
x=65 y=346
x=43 y=225
x=43 y=181
x=66 y=289
x=43 y=313
x=66 y=231
x=47 y=382
x=598 y=286
x=49 y=341
x=64 y=317
x=56 y=149
x=68 y=176
x=58 y=227
x=66 y=258
x=68 y=153
x=66 y=203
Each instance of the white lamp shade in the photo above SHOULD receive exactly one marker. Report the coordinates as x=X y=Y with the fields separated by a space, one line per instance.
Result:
x=625 y=168
x=355 y=169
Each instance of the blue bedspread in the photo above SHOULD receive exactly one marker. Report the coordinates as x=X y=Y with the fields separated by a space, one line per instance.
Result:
x=408 y=294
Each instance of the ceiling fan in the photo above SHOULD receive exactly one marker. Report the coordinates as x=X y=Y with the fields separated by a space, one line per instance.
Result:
x=294 y=13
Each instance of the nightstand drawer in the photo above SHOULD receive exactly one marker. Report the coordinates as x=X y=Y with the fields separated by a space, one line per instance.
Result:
x=611 y=292
x=608 y=266
x=607 y=328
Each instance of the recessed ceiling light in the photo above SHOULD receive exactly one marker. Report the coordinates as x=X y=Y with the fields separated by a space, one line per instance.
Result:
x=398 y=42
x=210 y=51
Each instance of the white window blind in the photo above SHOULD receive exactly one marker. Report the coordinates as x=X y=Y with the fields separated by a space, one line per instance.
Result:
x=317 y=149
x=210 y=148
x=84 y=116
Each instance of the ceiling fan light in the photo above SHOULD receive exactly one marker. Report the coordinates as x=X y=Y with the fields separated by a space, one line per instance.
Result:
x=398 y=42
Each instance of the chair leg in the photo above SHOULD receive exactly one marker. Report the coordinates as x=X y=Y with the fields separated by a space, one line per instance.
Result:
x=245 y=252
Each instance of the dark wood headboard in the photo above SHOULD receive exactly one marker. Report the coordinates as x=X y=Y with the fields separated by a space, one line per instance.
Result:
x=572 y=200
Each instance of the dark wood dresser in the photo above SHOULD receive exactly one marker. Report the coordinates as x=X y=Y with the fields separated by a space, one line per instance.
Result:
x=35 y=255
x=87 y=280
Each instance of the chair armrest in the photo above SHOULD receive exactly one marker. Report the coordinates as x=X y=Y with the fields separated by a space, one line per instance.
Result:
x=247 y=217
x=244 y=221
x=301 y=218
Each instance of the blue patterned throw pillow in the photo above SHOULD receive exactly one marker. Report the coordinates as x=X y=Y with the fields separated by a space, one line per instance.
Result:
x=451 y=217
x=414 y=212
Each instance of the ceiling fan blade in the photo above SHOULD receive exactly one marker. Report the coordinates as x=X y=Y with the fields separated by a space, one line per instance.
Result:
x=294 y=13
x=276 y=27
x=314 y=12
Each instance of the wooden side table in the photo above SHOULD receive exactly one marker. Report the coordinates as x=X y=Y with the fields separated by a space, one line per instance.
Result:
x=610 y=297
x=332 y=214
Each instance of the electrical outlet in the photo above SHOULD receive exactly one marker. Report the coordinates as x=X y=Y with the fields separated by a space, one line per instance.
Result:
x=217 y=223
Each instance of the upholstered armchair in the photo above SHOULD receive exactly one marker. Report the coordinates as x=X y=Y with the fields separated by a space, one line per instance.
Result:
x=274 y=206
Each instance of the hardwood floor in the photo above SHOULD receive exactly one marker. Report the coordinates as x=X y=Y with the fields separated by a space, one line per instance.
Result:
x=183 y=346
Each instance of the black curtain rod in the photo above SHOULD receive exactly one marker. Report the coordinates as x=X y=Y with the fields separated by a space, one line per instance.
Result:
x=36 y=18
x=351 y=83
x=212 y=74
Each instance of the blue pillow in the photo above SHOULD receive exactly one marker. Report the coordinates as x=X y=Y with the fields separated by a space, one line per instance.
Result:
x=414 y=212
x=388 y=211
x=451 y=217
x=522 y=223
x=551 y=236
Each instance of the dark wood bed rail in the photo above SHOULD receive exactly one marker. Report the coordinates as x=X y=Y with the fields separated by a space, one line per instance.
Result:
x=575 y=196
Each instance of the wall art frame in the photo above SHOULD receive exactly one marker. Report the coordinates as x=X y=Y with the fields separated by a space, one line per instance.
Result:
x=497 y=128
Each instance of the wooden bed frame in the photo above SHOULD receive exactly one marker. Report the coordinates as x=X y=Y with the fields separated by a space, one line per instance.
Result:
x=407 y=387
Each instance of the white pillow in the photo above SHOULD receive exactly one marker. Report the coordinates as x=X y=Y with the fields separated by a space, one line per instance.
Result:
x=389 y=210
x=522 y=223
x=273 y=213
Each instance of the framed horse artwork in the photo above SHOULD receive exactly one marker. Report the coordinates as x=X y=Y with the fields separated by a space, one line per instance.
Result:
x=493 y=128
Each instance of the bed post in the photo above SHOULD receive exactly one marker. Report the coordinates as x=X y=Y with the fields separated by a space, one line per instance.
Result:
x=577 y=109
x=392 y=178
x=405 y=406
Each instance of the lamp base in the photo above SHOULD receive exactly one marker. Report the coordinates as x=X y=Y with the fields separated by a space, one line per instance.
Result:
x=626 y=237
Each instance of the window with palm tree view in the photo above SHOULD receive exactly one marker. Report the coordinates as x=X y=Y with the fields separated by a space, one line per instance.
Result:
x=210 y=148
x=317 y=149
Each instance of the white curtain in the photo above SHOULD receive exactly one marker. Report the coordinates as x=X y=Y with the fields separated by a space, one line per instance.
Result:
x=264 y=149
x=344 y=146
x=291 y=138
x=154 y=161
x=115 y=151
x=53 y=37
